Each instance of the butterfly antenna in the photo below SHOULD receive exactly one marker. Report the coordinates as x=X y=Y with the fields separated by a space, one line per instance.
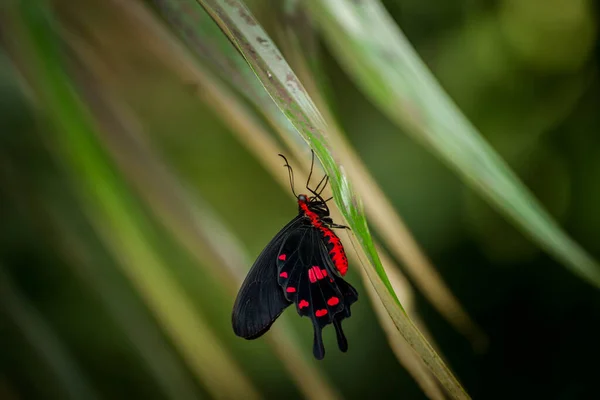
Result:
x=290 y=173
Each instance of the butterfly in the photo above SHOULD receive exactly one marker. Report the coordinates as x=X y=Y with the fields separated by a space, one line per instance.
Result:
x=303 y=264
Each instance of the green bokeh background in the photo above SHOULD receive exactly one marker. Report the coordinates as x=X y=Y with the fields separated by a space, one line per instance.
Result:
x=525 y=72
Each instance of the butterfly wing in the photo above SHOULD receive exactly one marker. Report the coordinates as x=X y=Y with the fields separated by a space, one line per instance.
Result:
x=309 y=278
x=260 y=299
x=349 y=296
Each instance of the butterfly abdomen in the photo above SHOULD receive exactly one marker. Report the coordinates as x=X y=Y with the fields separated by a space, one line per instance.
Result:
x=336 y=250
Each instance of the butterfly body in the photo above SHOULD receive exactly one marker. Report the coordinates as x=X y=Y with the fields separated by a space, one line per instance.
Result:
x=302 y=265
x=320 y=220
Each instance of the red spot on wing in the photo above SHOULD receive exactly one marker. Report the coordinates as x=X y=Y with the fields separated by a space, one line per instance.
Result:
x=320 y=313
x=290 y=289
x=333 y=301
x=302 y=304
x=282 y=257
x=283 y=275
x=316 y=274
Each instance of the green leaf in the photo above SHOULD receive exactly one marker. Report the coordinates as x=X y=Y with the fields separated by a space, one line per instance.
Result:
x=206 y=40
x=288 y=93
x=193 y=223
x=375 y=52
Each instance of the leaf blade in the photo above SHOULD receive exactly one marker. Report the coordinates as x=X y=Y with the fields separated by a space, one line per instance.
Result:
x=287 y=92
x=389 y=71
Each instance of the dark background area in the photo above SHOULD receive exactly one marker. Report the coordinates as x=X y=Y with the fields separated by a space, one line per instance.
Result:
x=525 y=72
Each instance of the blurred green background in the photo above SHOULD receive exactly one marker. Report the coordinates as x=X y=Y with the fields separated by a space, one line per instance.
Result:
x=76 y=325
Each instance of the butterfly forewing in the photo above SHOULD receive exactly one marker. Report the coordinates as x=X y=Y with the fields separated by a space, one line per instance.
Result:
x=261 y=299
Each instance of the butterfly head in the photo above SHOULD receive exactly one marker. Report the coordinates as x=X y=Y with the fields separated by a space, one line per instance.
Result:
x=302 y=198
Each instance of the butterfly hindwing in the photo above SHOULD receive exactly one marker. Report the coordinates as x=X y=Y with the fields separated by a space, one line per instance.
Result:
x=261 y=300
x=348 y=295
x=309 y=279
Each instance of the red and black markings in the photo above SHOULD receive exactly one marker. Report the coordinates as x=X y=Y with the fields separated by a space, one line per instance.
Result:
x=302 y=304
x=316 y=274
x=337 y=253
x=321 y=313
x=333 y=301
x=297 y=268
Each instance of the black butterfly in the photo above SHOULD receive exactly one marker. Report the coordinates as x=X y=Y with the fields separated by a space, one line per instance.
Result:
x=303 y=264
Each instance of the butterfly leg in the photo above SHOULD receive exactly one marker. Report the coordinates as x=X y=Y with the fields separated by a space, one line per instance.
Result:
x=336 y=226
x=324 y=179
x=330 y=224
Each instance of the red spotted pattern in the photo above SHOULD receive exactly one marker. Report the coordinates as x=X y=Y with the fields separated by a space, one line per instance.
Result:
x=282 y=257
x=338 y=256
x=303 y=304
x=283 y=274
x=316 y=274
x=291 y=289
x=333 y=301
x=321 y=313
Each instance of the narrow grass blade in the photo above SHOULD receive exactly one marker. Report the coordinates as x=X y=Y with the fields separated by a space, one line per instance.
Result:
x=115 y=215
x=381 y=212
x=251 y=135
x=200 y=33
x=191 y=222
x=403 y=351
x=383 y=63
x=259 y=142
x=287 y=92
